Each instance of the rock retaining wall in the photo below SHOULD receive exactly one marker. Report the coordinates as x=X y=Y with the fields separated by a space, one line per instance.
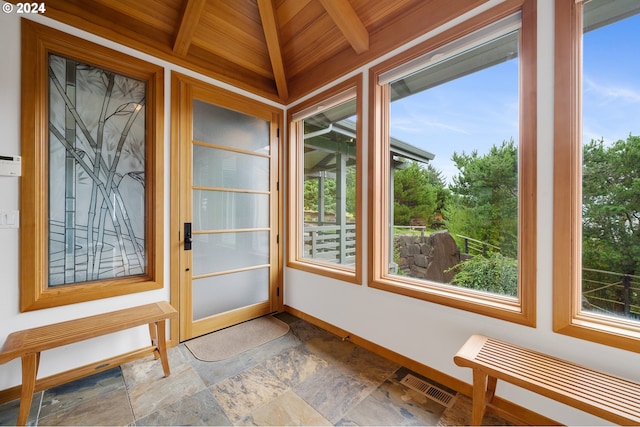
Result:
x=428 y=257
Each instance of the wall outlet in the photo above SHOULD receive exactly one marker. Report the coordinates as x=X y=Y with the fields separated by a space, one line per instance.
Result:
x=9 y=219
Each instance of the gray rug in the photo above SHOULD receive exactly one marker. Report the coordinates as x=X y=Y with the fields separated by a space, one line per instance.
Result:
x=236 y=339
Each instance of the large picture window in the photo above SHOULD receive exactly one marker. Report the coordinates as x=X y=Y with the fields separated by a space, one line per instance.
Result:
x=597 y=171
x=325 y=169
x=92 y=187
x=454 y=194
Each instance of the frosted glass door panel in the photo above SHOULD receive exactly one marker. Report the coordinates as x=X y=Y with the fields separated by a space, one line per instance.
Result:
x=217 y=294
x=231 y=196
x=222 y=210
x=213 y=253
x=228 y=169
x=217 y=125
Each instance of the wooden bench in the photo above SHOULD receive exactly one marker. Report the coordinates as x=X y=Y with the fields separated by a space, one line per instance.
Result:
x=606 y=396
x=29 y=343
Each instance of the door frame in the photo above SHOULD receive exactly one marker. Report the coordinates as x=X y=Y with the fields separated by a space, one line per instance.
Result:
x=182 y=88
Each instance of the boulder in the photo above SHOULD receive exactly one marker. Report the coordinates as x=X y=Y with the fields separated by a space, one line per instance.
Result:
x=442 y=254
x=428 y=257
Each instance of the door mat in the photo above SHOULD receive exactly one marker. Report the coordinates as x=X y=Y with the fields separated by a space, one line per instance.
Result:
x=236 y=339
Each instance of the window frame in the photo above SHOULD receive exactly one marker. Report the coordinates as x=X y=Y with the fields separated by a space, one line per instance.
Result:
x=296 y=187
x=523 y=309
x=37 y=42
x=568 y=318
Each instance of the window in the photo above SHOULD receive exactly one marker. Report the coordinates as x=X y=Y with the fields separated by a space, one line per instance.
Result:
x=596 y=172
x=325 y=165
x=91 y=190
x=453 y=157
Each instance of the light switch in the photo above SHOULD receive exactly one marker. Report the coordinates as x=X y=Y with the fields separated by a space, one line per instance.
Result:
x=9 y=218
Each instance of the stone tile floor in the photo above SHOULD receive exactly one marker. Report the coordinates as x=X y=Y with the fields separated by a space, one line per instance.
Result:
x=306 y=377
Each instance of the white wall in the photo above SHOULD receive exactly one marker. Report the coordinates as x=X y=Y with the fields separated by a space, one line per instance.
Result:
x=426 y=332
x=69 y=357
x=432 y=334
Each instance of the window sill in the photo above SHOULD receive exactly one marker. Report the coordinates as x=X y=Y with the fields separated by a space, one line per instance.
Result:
x=498 y=306
x=334 y=271
x=620 y=333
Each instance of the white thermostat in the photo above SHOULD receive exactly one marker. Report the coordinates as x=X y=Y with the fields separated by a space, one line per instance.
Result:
x=10 y=166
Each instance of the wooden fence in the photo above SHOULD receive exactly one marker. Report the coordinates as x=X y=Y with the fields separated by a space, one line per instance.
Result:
x=330 y=243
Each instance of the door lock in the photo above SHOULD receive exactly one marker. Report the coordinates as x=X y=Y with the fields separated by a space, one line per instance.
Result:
x=188 y=239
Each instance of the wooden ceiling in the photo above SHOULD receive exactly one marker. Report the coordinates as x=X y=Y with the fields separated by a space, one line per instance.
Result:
x=279 y=49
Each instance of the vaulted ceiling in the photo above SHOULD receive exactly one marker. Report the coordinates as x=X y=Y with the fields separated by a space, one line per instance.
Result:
x=279 y=49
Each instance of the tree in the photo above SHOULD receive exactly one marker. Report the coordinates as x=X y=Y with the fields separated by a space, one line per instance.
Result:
x=352 y=190
x=484 y=197
x=611 y=205
x=443 y=194
x=414 y=194
x=311 y=194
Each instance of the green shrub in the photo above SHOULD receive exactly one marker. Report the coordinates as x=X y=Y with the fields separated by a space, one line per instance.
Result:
x=495 y=273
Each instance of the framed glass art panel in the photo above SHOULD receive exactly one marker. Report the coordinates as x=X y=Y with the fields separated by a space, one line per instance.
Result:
x=92 y=179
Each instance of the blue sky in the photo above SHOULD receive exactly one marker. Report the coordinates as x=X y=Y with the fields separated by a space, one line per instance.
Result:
x=472 y=112
x=481 y=110
x=611 y=81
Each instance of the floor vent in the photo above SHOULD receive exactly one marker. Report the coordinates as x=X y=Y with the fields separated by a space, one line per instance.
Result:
x=444 y=398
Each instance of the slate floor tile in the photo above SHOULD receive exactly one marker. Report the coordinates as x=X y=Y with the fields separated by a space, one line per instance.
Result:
x=288 y=409
x=295 y=365
x=332 y=393
x=392 y=404
x=109 y=409
x=66 y=396
x=200 y=409
x=150 y=396
x=9 y=411
x=241 y=394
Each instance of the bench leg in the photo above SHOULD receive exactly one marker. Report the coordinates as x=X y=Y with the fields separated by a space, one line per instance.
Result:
x=153 y=332
x=479 y=397
x=157 y=331
x=162 y=347
x=30 y=364
x=491 y=389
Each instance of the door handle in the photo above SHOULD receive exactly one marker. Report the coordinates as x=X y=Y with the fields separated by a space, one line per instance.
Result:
x=188 y=239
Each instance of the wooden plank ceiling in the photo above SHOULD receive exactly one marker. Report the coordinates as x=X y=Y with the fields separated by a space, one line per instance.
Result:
x=267 y=47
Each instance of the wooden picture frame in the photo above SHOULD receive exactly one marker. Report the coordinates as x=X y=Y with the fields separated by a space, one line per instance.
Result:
x=92 y=179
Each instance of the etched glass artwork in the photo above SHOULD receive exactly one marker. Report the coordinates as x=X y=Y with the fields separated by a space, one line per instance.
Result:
x=96 y=174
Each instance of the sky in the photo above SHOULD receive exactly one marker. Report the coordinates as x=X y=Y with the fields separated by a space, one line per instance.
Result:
x=480 y=110
x=611 y=81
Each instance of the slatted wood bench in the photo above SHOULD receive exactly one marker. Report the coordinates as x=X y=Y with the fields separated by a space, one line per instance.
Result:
x=613 y=398
x=29 y=343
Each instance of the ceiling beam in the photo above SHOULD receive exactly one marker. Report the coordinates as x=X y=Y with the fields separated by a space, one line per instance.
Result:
x=188 y=26
x=272 y=37
x=348 y=21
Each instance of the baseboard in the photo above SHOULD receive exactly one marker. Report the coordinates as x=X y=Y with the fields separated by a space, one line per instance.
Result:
x=513 y=413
